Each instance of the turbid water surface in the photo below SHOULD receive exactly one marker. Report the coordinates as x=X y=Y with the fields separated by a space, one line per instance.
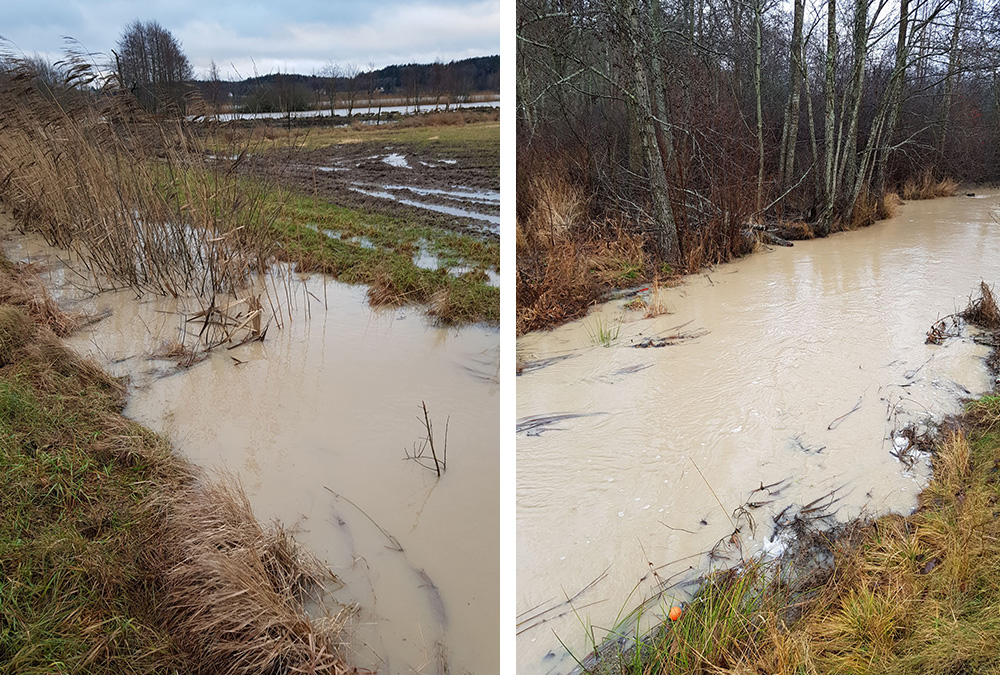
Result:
x=633 y=460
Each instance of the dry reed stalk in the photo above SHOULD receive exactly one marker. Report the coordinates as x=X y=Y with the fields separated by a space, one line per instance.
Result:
x=656 y=307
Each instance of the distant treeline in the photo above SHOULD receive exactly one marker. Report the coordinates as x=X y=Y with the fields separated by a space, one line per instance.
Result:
x=350 y=87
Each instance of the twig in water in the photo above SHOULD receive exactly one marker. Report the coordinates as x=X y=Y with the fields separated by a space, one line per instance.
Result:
x=395 y=542
x=418 y=452
x=836 y=422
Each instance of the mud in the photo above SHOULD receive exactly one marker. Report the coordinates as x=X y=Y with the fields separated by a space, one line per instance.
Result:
x=464 y=178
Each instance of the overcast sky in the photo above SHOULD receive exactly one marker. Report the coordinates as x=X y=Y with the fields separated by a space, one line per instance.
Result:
x=293 y=36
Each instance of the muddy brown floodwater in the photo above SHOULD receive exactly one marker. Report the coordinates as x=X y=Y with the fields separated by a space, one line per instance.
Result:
x=331 y=402
x=783 y=345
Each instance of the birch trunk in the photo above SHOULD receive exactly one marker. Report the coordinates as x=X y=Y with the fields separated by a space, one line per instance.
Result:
x=790 y=129
x=758 y=11
x=829 y=93
x=665 y=231
x=954 y=62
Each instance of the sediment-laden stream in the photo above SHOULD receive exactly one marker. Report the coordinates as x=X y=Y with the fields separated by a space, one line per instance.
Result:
x=316 y=421
x=795 y=370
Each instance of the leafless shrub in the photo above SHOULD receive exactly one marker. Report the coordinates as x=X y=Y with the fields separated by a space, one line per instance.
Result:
x=983 y=311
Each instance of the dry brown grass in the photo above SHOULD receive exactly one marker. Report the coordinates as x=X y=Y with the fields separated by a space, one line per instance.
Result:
x=925 y=186
x=559 y=206
x=656 y=306
x=890 y=205
x=234 y=593
x=15 y=331
x=126 y=191
x=865 y=211
x=566 y=260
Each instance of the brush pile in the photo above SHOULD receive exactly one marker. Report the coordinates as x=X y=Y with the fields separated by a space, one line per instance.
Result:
x=983 y=311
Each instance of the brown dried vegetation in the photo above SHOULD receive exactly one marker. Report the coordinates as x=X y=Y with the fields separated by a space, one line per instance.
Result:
x=925 y=186
x=92 y=172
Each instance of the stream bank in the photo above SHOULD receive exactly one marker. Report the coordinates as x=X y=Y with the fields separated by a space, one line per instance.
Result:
x=117 y=555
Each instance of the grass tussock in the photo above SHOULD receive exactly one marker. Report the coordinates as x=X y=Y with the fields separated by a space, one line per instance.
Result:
x=566 y=262
x=242 y=584
x=889 y=206
x=865 y=212
x=115 y=555
x=925 y=186
x=901 y=594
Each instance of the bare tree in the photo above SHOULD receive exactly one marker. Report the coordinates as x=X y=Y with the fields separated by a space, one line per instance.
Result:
x=149 y=62
x=350 y=74
x=213 y=89
x=371 y=85
x=332 y=73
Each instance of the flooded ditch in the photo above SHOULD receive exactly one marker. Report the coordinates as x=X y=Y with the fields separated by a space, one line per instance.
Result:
x=776 y=387
x=316 y=421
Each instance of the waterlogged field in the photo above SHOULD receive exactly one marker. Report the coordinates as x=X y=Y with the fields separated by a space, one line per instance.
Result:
x=412 y=211
x=195 y=265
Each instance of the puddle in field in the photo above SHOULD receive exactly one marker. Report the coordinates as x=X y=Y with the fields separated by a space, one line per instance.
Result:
x=316 y=421
x=459 y=194
x=428 y=260
x=795 y=367
x=492 y=221
x=397 y=160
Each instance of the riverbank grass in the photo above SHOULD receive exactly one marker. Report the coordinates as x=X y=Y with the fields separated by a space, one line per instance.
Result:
x=913 y=594
x=116 y=556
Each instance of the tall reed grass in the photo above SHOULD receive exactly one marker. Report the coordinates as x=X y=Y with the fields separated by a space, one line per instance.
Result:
x=91 y=171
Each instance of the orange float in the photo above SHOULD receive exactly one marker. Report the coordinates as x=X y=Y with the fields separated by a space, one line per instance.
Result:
x=675 y=613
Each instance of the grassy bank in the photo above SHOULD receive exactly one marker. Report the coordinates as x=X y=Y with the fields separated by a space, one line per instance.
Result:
x=115 y=555
x=896 y=594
